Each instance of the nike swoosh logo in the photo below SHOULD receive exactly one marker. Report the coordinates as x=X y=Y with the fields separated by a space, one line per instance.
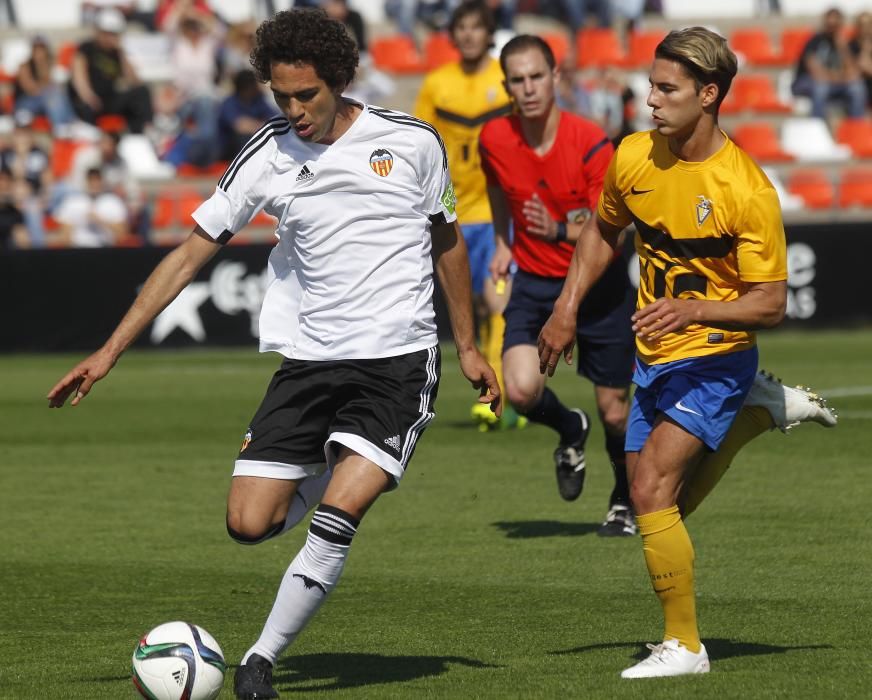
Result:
x=681 y=407
x=633 y=190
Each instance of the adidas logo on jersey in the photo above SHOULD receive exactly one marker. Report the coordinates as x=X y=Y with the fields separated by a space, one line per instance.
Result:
x=393 y=442
x=305 y=174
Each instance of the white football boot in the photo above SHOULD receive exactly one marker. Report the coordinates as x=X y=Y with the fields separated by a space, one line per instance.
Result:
x=669 y=658
x=789 y=406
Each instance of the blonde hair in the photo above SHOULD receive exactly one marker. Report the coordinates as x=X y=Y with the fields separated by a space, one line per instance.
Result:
x=704 y=54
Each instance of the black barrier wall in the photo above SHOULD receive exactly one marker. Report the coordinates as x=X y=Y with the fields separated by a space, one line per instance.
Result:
x=63 y=300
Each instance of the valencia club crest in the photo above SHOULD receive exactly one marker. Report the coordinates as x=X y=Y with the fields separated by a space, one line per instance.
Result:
x=381 y=161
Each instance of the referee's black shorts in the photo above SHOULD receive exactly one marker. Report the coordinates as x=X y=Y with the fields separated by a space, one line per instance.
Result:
x=378 y=408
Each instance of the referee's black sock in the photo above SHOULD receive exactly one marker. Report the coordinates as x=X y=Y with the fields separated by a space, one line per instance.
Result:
x=618 y=458
x=549 y=411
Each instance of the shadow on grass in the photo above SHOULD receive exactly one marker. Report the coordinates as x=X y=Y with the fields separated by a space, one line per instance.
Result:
x=716 y=648
x=310 y=673
x=525 y=529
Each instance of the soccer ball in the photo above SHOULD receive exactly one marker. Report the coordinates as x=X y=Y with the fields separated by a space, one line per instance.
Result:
x=178 y=661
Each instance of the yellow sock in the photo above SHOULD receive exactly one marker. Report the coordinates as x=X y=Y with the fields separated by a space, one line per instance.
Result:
x=493 y=349
x=750 y=422
x=669 y=557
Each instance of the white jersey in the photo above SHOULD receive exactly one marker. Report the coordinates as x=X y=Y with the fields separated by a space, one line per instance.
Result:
x=351 y=276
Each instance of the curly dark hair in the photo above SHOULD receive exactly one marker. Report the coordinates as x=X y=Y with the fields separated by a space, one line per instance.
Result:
x=306 y=36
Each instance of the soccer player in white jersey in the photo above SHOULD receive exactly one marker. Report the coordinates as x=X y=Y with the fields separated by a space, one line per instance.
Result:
x=365 y=214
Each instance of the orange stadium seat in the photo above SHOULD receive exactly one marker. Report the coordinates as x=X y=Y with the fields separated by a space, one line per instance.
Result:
x=757 y=94
x=62 y=152
x=164 y=214
x=815 y=188
x=793 y=41
x=188 y=202
x=113 y=123
x=856 y=188
x=397 y=54
x=640 y=53
x=559 y=44
x=599 y=48
x=761 y=142
x=755 y=44
x=66 y=51
x=856 y=133
x=438 y=50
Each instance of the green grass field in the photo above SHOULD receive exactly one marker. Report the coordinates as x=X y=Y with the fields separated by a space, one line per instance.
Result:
x=472 y=580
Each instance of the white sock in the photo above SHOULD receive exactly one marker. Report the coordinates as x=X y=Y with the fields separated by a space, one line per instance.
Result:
x=311 y=576
x=308 y=495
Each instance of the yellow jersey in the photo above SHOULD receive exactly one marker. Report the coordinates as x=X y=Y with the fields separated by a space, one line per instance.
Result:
x=458 y=105
x=703 y=231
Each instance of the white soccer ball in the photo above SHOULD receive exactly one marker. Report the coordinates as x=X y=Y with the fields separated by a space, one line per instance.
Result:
x=178 y=661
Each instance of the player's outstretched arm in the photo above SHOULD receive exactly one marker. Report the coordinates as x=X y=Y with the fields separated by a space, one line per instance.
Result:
x=452 y=266
x=594 y=252
x=163 y=285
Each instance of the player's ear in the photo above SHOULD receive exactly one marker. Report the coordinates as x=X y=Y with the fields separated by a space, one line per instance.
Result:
x=709 y=94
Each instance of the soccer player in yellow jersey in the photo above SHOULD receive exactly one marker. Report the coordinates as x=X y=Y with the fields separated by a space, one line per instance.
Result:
x=458 y=98
x=713 y=269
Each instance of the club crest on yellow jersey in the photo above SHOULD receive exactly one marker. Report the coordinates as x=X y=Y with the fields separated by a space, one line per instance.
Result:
x=381 y=161
x=703 y=209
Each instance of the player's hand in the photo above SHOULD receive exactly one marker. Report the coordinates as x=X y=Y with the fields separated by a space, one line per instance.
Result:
x=664 y=316
x=539 y=221
x=482 y=377
x=79 y=380
x=556 y=338
x=500 y=262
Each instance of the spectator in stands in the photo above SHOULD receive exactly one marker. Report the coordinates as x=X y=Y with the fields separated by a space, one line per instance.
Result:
x=36 y=93
x=167 y=9
x=236 y=50
x=13 y=231
x=575 y=12
x=353 y=21
x=103 y=81
x=861 y=49
x=196 y=45
x=827 y=70
x=29 y=165
x=94 y=218
x=242 y=113
x=117 y=178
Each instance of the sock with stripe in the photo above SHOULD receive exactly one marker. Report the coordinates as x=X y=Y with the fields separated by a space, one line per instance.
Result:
x=669 y=557
x=549 y=411
x=309 y=579
x=750 y=422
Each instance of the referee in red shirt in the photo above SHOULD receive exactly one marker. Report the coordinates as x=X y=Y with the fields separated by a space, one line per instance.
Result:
x=545 y=170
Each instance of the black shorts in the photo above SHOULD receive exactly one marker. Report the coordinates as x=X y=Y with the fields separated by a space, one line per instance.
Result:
x=377 y=408
x=605 y=345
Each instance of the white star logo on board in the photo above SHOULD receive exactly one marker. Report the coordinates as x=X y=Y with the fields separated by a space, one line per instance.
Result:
x=182 y=313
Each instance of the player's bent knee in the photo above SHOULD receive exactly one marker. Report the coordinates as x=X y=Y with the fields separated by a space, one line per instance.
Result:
x=246 y=533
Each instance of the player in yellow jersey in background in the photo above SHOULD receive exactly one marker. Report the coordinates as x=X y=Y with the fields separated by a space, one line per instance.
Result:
x=458 y=98
x=713 y=269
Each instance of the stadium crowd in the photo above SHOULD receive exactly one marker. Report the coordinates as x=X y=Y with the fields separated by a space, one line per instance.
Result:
x=94 y=154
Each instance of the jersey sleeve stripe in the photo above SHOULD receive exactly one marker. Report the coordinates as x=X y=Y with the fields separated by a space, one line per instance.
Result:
x=224 y=237
x=438 y=219
x=592 y=152
x=274 y=127
x=473 y=121
x=399 y=118
x=688 y=248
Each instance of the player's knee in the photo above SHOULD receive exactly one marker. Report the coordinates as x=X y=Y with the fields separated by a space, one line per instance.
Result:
x=250 y=531
x=614 y=420
x=523 y=398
